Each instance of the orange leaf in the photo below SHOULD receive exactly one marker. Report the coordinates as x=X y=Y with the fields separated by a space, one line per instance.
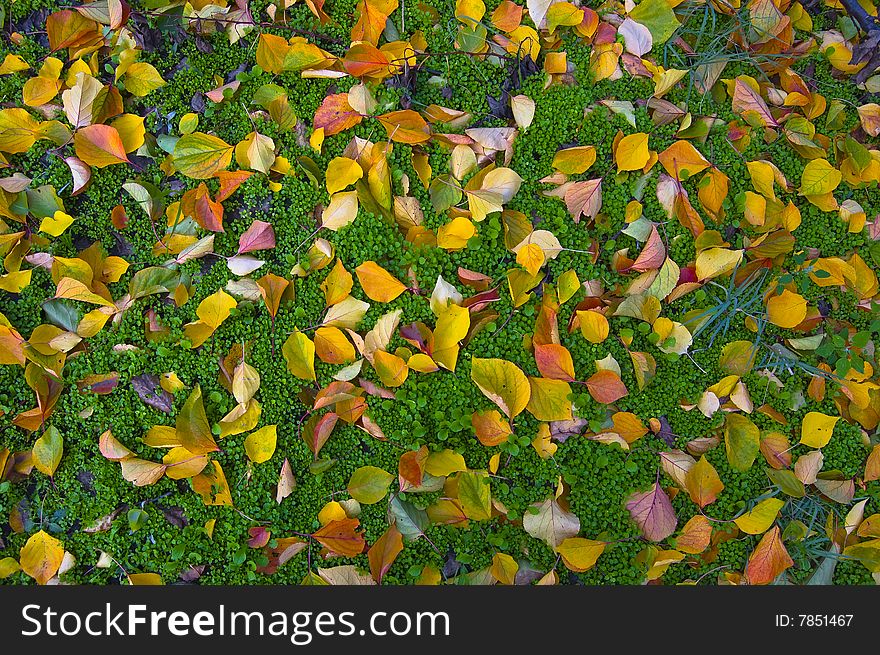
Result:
x=272 y=287
x=554 y=361
x=229 y=182
x=769 y=559
x=366 y=59
x=336 y=115
x=341 y=537
x=68 y=28
x=405 y=126
x=377 y=283
x=371 y=17
x=606 y=387
x=703 y=483
x=383 y=553
x=99 y=146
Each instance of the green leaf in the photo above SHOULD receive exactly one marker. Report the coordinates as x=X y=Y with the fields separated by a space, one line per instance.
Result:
x=369 y=484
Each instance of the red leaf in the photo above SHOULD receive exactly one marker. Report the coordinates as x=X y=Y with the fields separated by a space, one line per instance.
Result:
x=259 y=236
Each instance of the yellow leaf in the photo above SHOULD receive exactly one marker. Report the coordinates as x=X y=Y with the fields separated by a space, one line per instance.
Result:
x=15 y=282
x=56 y=224
x=47 y=451
x=543 y=444
x=503 y=567
x=759 y=519
x=453 y=324
x=181 y=464
x=212 y=311
x=131 y=130
x=76 y=290
x=819 y=177
x=455 y=234
x=256 y=152
x=141 y=78
x=444 y=463
x=391 y=369
x=342 y=172
x=192 y=427
x=260 y=445
x=18 y=130
x=579 y=554
x=377 y=283
x=594 y=326
x=41 y=557
x=702 y=482
x=503 y=383
x=332 y=346
x=200 y=156
x=548 y=399
x=299 y=353
x=341 y=211
x=787 y=310
x=145 y=580
x=817 y=428
x=332 y=511
x=13 y=64
x=530 y=257
x=574 y=161
x=337 y=285
x=632 y=152
x=713 y=262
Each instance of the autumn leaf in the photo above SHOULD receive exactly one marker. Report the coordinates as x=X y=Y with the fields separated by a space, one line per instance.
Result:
x=212 y=312
x=260 y=445
x=554 y=361
x=741 y=441
x=299 y=353
x=606 y=387
x=47 y=451
x=702 y=482
x=377 y=283
x=192 y=425
x=341 y=537
x=550 y=523
x=41 y=557
x=632 y=152
x=760 y=517
x=817 y=428
x=503 y=383
x=787 y=309
x=200 y=156
x=369 y=484
x=383 y=553
x=579 y=554
x=99 y=146
x=769 y=559
x=405 y=126
x=653 y=513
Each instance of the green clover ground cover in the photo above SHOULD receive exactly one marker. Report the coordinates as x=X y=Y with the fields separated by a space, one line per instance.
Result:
x=587 y=452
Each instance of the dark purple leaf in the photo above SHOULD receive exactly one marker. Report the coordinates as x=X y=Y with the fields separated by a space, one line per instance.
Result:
x=148 y=390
